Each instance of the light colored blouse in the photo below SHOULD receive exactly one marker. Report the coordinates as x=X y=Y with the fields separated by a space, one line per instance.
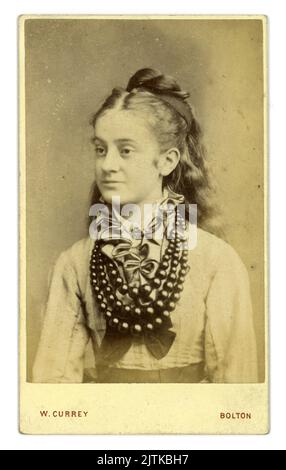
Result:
x=213 y=319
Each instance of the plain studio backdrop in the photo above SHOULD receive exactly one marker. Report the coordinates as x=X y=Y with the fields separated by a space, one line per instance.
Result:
x=72 y=64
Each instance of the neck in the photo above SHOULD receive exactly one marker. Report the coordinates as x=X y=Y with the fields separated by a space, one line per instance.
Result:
x=154 y=197
x=151 y=199
x=145 y=212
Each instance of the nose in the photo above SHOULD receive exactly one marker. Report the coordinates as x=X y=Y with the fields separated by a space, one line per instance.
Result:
x=111 y=161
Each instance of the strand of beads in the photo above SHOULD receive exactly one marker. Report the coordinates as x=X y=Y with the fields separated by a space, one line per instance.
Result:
x=169 y=294
x=141 y=314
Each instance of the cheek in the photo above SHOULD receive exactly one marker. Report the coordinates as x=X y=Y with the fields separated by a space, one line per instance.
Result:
x=147 y=164
x=97 y=167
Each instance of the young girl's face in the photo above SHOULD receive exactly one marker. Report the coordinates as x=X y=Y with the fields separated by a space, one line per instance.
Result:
x=126 y=158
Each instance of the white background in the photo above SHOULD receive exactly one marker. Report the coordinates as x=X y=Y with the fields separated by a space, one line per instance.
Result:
x=10 y=437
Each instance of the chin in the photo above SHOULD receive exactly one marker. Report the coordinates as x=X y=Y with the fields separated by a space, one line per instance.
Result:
x=109 y=194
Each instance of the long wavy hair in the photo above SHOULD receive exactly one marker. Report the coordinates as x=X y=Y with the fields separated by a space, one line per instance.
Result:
x=191 y=177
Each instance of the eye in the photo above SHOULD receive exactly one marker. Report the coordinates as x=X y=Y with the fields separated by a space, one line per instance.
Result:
x=126 y=151
x=100 y=150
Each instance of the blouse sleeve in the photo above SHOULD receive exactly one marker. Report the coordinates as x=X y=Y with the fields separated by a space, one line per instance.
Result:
x=64 y=336
x=230 y=347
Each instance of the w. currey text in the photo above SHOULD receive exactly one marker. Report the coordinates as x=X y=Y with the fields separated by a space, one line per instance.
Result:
x=63 y=414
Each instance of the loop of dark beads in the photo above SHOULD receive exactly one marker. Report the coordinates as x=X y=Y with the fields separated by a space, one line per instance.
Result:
x=142 y=314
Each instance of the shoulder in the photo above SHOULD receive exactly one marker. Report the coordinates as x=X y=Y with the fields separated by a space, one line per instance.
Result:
x=217 y=254
x=76 y=257
x=81 y=248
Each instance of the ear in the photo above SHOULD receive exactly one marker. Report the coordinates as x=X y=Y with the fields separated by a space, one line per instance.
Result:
x=168 y=161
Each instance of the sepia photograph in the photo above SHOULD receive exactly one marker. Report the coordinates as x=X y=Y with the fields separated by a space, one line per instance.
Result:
x=143 y=201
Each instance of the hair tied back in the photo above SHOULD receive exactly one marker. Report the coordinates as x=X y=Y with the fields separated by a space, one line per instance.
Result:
x=165 y=88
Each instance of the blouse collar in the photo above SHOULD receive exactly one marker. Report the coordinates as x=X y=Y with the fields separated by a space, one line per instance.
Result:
x=118 y=226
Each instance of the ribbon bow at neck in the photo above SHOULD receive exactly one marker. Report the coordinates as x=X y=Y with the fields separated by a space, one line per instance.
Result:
x=136 y=264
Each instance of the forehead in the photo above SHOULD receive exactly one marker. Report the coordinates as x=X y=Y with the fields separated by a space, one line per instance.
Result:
x=123 y=124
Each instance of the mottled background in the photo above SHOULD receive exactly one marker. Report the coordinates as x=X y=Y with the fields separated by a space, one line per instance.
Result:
x=71 y=64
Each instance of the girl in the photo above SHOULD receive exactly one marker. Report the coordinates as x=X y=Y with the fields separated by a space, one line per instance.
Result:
x=155 y=310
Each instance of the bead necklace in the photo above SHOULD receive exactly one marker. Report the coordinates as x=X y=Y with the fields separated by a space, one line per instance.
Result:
x=148 y=308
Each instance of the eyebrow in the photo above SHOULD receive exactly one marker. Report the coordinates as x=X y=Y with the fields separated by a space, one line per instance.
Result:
x=95 y=138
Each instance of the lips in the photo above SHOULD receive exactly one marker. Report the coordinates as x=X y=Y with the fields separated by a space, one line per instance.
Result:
x=111 y=182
